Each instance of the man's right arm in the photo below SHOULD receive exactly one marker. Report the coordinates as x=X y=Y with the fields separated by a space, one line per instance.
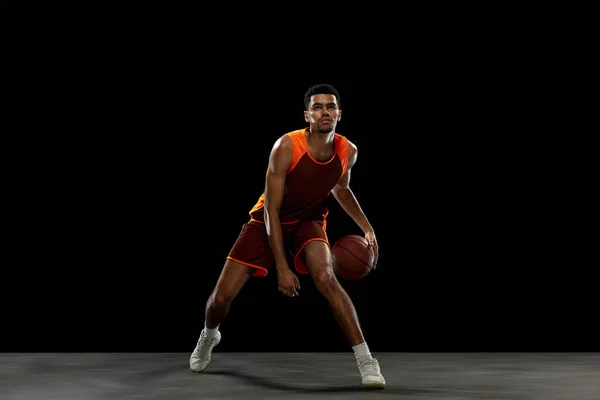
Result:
x=279 y=162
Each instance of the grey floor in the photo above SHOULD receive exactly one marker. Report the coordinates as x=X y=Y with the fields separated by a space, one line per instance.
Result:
x=314 y=376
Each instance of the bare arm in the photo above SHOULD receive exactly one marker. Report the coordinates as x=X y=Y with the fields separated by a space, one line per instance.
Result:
x=279 y=162
x=344 y=195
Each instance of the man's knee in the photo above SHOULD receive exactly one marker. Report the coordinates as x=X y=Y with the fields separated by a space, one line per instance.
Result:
x=318 y=260
x=325 y=279
x=222 y=298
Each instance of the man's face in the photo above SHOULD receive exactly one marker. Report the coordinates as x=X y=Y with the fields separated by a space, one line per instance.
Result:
x=323 y=112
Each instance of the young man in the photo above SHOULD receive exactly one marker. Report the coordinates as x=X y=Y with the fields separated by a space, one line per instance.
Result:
x=305 y=166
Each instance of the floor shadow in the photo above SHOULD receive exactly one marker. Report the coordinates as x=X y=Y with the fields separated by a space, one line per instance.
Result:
x=269 y=384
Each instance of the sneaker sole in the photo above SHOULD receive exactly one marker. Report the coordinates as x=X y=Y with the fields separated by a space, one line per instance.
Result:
x=373 y=386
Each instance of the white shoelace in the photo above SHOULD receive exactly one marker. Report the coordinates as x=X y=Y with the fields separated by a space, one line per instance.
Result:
x=203 y=347
x=369 y=367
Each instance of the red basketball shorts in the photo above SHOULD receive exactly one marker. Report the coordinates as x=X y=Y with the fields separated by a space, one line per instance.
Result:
x=252 y=246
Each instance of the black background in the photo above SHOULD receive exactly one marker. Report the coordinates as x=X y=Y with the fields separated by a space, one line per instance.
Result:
x=143 y=140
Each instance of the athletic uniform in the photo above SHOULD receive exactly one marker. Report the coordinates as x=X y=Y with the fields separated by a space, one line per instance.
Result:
x=303 y=213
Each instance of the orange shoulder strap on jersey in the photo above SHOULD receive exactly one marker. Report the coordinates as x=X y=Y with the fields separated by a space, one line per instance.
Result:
x=343 y=150
x=298 y=147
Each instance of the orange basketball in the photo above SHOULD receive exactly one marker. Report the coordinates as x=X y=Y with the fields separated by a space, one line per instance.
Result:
x=352 y=257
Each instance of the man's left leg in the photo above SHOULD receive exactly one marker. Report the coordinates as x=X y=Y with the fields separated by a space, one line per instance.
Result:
x=319 y=265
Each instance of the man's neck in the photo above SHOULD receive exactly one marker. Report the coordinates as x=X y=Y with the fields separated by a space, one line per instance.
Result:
x=320 y=137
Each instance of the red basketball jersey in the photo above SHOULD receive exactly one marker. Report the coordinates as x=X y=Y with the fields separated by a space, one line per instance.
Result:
x=309 y=182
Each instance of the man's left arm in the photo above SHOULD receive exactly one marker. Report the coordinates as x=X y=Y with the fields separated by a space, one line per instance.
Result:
x=345 y=197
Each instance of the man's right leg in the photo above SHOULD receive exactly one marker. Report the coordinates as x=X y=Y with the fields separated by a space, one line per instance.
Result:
x=233 y=277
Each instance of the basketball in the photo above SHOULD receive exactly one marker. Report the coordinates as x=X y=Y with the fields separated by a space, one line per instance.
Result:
x=352 y=257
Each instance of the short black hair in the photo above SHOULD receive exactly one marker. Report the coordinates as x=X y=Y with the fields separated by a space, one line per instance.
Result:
x=321 y=88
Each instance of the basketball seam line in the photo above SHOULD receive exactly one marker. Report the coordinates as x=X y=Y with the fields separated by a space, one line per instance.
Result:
x=353 y=255
x=351 y=271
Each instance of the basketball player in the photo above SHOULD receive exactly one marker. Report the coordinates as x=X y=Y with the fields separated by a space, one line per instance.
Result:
x=305 y=166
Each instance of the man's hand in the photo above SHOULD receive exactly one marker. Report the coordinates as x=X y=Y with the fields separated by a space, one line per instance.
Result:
x=288 y=282
x=372 y=240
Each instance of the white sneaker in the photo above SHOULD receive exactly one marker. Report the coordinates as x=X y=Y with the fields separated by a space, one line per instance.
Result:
x=371 y=374
x=200 y=358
